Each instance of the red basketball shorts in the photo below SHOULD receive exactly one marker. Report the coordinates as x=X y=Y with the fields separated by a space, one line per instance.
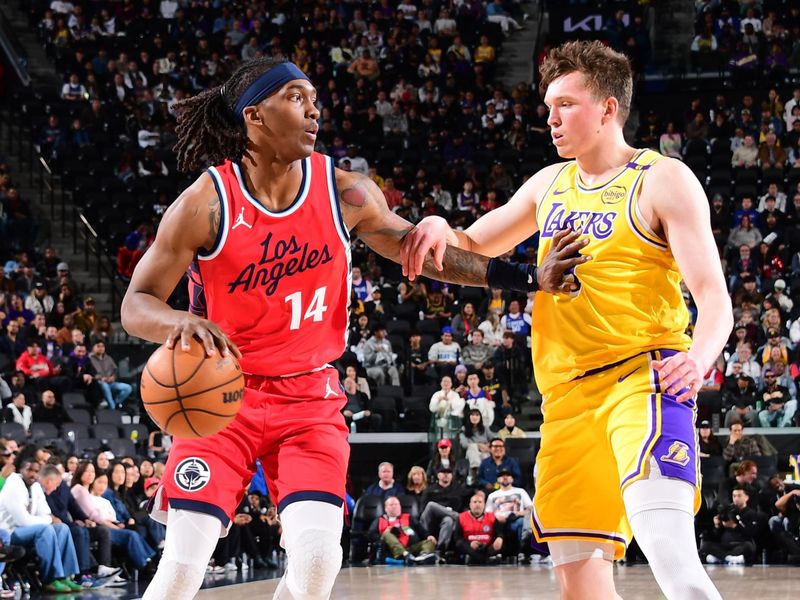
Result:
x=293 y=424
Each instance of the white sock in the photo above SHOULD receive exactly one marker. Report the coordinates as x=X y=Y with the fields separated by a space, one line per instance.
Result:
x=661 y=513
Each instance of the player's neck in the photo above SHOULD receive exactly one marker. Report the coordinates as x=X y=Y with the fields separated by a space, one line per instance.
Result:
x=272 y=181
x=605 y=158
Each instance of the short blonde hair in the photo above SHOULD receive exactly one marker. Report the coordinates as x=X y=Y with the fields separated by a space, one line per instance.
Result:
x=605 y=71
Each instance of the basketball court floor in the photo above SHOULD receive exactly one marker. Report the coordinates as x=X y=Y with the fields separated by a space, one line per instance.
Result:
x=517 y=583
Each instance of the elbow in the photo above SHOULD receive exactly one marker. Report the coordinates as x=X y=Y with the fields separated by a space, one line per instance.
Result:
x=126 y=314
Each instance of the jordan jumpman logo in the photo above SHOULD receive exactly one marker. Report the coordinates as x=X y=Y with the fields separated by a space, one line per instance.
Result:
x=240 y=221
x=328 y=390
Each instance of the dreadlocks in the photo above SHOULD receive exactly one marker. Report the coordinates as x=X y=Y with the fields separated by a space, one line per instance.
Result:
x=208 y=131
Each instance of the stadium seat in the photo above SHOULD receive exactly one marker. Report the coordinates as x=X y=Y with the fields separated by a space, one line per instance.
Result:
x=74 y=400
x=122 y=447
x=14 y=431
x=43 y=430
x=367 y=509
x=75 y=431
x=140 y=429
x=386 y=407
x=410 y=505
x=87 y=448
x=105 y=431
x=398 y=326
x=79 y=415
x=713 y=469
x=416 y=414
x=105 y=415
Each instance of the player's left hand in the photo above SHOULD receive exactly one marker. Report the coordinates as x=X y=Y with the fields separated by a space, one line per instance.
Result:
x=429 y=234
x=680 y=376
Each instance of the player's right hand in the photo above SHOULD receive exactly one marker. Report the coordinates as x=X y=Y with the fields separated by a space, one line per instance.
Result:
x=553 y=274
x=207 y=332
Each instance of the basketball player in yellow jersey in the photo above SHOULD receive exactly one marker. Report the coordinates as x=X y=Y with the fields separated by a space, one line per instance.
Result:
x=617 y=373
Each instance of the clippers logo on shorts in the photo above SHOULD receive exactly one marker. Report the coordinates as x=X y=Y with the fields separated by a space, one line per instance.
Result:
x=192 y=474
x=678 y=454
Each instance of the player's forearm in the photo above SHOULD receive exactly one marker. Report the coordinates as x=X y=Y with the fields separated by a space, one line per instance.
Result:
x=460 y=267
x=714 y=324
x=146 y=317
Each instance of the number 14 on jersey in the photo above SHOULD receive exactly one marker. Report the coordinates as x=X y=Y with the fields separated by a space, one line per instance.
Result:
x=314 y=311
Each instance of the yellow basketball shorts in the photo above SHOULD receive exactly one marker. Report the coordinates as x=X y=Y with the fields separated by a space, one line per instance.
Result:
x=599 y=433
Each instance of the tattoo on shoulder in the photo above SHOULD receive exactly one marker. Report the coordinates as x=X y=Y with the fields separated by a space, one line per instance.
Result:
x=214 y=214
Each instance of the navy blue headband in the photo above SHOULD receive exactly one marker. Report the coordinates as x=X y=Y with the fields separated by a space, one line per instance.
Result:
x=272 y=80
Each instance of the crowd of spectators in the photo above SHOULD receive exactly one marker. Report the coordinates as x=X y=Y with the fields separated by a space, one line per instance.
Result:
x=390 y=78
x=750 y=40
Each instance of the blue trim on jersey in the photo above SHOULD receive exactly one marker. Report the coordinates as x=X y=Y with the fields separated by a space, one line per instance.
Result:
x=222 y=220
x=202 y=507
x=302 y=192
x=316 y=496
x=338 y=216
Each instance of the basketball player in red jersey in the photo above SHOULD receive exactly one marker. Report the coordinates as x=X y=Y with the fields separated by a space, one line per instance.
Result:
x=266 y=236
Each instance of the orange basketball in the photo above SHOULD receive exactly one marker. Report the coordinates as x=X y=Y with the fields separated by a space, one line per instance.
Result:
x=190 y=395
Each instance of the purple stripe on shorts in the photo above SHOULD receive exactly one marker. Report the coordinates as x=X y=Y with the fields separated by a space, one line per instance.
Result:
x=675 y=450
x=652 y=434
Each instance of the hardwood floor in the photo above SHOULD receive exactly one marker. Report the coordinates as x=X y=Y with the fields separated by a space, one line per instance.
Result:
x=513 y=583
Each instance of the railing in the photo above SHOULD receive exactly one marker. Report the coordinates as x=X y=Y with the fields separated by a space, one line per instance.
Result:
x=17 y=135
x=17 y=57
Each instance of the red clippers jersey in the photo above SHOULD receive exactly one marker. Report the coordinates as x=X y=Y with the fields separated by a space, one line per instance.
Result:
x=278 y=284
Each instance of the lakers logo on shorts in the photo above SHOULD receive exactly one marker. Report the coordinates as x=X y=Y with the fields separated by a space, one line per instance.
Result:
x=192 y=474
x=678 y=454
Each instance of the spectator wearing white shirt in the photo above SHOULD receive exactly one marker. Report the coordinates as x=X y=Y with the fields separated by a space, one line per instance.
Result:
x=358 y=164
x=61 y=7
x=168 y=8
x=73 y=90
x=750 y=367
x=780 y=198
x=752 y=19
x=492 y=115
x=444 y=355
x=24 y=511
x=444 y=25
x=447 y=409
x=511 y=507
x=18 y=412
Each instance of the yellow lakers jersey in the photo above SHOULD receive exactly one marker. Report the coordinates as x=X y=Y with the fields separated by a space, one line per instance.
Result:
x=629 y=298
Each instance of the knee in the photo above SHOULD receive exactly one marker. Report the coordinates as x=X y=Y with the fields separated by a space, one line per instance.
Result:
x=315 y=557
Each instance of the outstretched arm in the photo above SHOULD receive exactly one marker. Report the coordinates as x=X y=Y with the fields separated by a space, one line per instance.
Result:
x=366 y=213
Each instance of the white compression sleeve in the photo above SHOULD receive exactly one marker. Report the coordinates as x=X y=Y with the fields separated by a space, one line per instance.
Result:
x=312 y=532
x=661 y=513
x=191 y=539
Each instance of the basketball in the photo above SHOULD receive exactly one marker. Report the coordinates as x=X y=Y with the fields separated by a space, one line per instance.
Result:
x=190 y=395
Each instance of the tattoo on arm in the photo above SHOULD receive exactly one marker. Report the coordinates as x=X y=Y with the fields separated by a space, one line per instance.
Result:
x=460 y=267
x=214 y=214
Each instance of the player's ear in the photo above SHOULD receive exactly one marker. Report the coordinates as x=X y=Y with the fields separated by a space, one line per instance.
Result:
x=252 y=115
x=610 y=109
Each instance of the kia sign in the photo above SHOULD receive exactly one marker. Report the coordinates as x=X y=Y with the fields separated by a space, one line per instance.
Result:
x=589 y=24
x=585 y=21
